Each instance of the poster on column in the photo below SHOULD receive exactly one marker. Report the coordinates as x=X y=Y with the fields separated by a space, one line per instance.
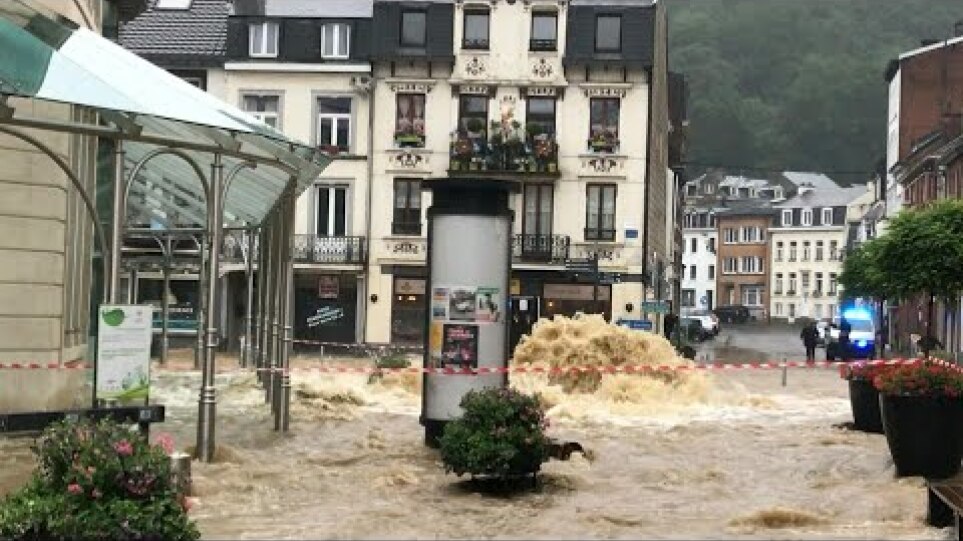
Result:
x=460 y=346
x=435 y=336
x=488 y=303
x=439 y=303
x=123 y=353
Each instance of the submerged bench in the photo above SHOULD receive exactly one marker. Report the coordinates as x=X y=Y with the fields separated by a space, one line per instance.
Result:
x=944 y=498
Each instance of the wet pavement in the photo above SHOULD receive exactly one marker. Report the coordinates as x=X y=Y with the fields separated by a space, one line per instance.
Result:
x=751 y=342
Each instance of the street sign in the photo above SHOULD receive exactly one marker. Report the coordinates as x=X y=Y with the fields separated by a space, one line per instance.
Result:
x=581 y=265
x=609 y=278
x=636 y=324
x=655 y=307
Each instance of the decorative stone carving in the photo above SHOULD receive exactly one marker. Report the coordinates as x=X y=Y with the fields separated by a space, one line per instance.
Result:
x=604 y=165
x=408 y=159
x=411 y=87
x=478 y=90
x=604 y=92
x=404 y=249
x=610 y=254
x=542 y=69
x=475 y=67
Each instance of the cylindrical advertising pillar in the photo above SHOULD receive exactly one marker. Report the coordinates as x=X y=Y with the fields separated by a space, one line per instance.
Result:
x=469 y=263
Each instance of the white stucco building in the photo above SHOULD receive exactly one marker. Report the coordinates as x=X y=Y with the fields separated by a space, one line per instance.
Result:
x=699 y=260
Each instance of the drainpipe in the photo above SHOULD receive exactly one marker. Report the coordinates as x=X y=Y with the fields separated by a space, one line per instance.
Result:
x=645 y=201
x=370 y=184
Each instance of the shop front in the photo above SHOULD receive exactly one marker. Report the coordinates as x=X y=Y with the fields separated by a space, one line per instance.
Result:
x=571 y=299
x=325 y=308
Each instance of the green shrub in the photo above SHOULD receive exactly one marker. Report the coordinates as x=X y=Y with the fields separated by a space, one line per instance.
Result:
x=393 y=361
x=97 y=481
x=501 y=434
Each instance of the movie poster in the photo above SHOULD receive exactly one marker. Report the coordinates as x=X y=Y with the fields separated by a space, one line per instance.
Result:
x=439 y=303
x=488 y=305
x=462 y=304
x=460 y=346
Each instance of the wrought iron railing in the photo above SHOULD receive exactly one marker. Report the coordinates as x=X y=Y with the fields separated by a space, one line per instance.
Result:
x=541 y=248
x=307 y=249
x=343 y=250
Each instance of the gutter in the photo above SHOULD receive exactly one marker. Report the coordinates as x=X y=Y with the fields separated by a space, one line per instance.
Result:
x=645 y=200
x=369 y=198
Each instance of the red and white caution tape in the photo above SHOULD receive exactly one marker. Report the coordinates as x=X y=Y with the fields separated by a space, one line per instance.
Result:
x=45 y=366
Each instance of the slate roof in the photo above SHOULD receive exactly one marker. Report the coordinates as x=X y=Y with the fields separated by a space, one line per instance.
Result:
x=818 y=181
x=173 y=38
x=837 y=197
x=333 y=9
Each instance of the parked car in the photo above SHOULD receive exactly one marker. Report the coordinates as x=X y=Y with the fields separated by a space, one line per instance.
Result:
x=694 y=329
x=710 y=322
x=733 y=313
x=822 y=328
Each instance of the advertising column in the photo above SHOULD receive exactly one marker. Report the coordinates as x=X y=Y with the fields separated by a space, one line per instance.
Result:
x=469 y=262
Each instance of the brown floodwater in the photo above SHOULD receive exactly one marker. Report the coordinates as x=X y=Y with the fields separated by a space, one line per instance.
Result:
x=726 y=455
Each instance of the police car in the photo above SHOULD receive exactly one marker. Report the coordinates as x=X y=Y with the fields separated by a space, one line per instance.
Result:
x=862 y=336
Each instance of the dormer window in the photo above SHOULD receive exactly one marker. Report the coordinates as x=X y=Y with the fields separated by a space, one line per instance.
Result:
x=263 y=40
x=807 y=216
x=335 y=40
x=608 y=34
x=787 y=218
x=414 y=27
x=827 y=216
x=708 y=188
x=173 y=4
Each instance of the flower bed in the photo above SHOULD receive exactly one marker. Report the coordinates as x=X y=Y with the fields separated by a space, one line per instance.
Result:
x=98 y=481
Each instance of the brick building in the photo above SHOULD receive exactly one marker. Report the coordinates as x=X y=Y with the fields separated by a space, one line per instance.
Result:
x=743 y=252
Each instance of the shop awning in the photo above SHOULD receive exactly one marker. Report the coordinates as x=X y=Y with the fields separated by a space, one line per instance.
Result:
x=44 y=58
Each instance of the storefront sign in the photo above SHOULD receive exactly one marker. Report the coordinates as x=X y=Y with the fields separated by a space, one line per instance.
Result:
x=409 y=286
x=575 y=292
x=123 y=353
x=325 y=315
x=329 y=286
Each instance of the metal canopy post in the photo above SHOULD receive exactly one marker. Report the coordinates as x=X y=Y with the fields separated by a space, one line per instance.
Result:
x=200 y=309
x=277 y=325
x=248 y=350
x=257 y=344
x=207 y=402
x=117 y=223
x=283 y=418
x=165 y=300
x=269 y=286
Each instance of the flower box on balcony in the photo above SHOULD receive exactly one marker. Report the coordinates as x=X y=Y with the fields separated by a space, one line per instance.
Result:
x=410 y=140
x=603 y=144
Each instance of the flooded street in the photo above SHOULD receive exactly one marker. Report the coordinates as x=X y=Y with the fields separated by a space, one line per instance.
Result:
x=727 y=455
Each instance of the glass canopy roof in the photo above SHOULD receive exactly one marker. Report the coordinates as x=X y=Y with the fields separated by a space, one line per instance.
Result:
x=43 y=57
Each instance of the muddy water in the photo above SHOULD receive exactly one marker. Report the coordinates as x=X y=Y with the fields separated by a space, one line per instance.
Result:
x=737 y=456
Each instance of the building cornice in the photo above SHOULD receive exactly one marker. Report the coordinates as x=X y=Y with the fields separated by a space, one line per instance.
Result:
x=292 y=67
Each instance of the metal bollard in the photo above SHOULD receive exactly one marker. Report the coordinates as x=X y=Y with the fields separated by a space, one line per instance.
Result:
x=181 y=473
x=785 y=371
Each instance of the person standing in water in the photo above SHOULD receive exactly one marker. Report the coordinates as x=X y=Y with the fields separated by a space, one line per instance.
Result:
x=809 y=337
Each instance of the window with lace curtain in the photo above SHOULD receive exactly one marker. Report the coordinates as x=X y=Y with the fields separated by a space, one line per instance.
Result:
x=410 y=120
x=600 y=212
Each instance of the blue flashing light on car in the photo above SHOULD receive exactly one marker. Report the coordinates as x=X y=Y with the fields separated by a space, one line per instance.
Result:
x=861 y=343
x=857 y=313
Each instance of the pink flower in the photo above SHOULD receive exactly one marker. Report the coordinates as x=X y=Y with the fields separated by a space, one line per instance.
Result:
x=74 y=488
x=166 y=442
x=124 y=448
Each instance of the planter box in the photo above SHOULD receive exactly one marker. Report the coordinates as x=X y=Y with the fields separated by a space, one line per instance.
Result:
x=864 y=399
x=924 y=434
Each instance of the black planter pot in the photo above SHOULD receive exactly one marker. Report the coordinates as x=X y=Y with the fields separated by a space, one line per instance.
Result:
x=925 y=434
x=864 y=399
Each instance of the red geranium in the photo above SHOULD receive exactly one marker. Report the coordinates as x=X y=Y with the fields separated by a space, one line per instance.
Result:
x=921 y=378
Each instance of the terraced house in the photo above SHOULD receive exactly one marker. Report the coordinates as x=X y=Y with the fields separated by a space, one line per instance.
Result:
x=568 y=98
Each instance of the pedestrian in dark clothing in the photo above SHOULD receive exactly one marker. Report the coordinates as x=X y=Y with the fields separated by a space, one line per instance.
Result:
x=809 y=337
x=669 y=323
x=845 y=328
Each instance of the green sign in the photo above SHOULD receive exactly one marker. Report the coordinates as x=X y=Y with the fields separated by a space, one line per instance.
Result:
x=123 y=353
x=655 y=307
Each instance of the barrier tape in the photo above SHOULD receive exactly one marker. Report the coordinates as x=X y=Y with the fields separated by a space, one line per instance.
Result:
x=624 y=369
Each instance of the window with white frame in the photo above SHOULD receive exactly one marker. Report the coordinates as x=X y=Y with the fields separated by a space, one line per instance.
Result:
x=264 y=107
x=688 y=298
x=708 y=189
x=819 y=283
x=263 y=39
x=805 y=250
x=833 y=250
x=792 y=309
x=752 y=234
x=778 y=308
x=334 y=123
x=827 y=216
x=778 y=255
x=712 y=272
x=819 y=250
x=711 y=245
x=805 y=281
x=807 y=216
x=752 y=296
x=830 y=310
x=692 y=272
x=730 y=235
x=695 y=245
x=730 y=265
x=335 y=40
x=787 y=218
x=791 y=289
x=331 y=210
x=751 y=264
x=832 y=283
x=777 y=284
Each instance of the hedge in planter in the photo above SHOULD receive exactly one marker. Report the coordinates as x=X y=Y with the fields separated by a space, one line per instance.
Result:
x=500 y=436
x=863 y=396
x=97 y=481
x=922 y=413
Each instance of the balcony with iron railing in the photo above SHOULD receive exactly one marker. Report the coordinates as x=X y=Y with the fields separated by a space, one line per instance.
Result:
x=545 y=249
x=504 y=150
x=306 y=249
